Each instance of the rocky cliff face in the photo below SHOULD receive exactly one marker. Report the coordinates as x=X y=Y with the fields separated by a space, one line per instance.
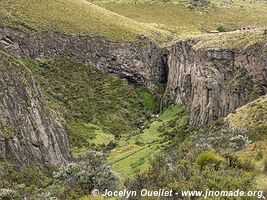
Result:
x=140 y=61
x=29 y=131
x=211 y=83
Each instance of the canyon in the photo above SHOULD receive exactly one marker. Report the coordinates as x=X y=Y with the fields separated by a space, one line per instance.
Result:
x=211 y=83
x=208 y=82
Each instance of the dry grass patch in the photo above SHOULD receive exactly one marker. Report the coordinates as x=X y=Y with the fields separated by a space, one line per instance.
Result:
x=184 y=23
x=74 y=16
x=233 y=40
x=179 y=19
x=250 y=116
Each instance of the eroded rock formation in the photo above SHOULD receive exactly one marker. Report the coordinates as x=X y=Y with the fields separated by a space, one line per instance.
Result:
x=30 y=132
x=140 y=61
x=211 y=83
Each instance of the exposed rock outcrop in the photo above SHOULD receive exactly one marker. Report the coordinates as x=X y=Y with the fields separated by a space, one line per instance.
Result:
x=211 y=83
x=140 y=61
x=29 y=131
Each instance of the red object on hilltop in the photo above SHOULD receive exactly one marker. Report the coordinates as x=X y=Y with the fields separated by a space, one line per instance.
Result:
x=249 y=27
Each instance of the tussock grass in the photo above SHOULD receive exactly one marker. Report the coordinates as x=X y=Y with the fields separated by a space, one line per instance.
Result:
x=252 y=151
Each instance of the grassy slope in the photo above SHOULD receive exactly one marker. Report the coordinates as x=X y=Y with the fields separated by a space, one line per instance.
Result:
x=72 y=16
x=186 y=23
x=82 y=17
x=250 y=116
x=124 y=20
x=97 y=106
x=133 y=155
x=234 y=39
x=179 y=16
x=253 y=117
x=92 y=135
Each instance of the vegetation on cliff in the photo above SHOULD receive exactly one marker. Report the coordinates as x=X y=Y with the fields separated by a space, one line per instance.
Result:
x=97 y=106
x=120 y=135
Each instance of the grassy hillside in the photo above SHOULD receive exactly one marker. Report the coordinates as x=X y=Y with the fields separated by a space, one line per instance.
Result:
x=105 y=113
x=250 y=116
x=176 y=17
x=180 y=19
x=198 y=158
x=234 y=39
x=72 y=16
x=97 y=106
x=134 y=154
x=125 y=19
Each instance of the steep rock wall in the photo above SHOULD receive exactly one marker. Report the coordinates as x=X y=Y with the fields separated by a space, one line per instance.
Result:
x=29 y=131
x=139 y=61
x=211 y=83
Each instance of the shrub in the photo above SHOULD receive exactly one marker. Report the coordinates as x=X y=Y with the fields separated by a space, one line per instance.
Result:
x=66 y=172
x=208 y=158
x=259 y=155
x=259 y=133
x=239 y=141
x=222 y=29
x=80 y=133
x=246 y=165
x=150 y=102
x=138 y=142
x=231 y=159
x=7 y=194
x=89 y=174
x=111 y=145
